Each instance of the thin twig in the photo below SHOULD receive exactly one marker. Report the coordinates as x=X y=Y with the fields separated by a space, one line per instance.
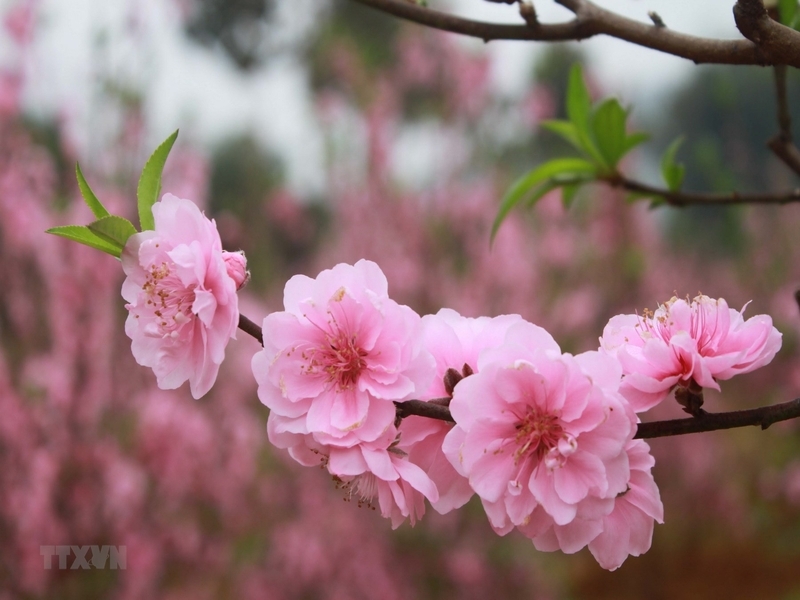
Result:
x=763 y=417
x=591 y=20
x=251 y=328
x=687 y=198
x=433 y=409
x=784 y=118
x=782 y=145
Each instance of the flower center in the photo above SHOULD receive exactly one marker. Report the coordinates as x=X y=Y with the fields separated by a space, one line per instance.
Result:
x=364 y=488
x=537 y=433
x=703 y=326
x=342 y=359
x=167 y=299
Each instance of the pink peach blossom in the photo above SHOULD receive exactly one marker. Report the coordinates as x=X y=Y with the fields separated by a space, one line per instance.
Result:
x=455 y=342
x=340 y=354
x=614 y=527
x=236 y=266
x=182 y=302
x=536 y=428
x=628 y=529
x=702 y=341
x=372 y=473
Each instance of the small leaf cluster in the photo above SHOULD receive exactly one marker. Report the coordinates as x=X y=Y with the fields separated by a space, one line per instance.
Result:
x=108 y=232
x=599 y=133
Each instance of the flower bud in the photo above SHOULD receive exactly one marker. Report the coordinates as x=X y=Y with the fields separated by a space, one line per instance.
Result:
x=236 y=265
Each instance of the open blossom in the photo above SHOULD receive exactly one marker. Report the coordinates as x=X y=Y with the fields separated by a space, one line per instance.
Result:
x=702 y=341
x=340 y=355
x=541 y=432
x=628 y=529
x=182 y=301
x=455 y=342
x=375 y=473
x=613 y=528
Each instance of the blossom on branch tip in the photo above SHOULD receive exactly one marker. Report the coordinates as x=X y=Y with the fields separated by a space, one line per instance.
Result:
x=181 y=299
x=236 y=266
x=703 y=341
x=340 y=355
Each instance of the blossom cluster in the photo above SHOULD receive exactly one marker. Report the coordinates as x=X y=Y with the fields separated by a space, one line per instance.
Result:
x=544 y=438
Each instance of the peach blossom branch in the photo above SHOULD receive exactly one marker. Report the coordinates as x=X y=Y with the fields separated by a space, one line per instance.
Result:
x=251 y=328
x=763 y=416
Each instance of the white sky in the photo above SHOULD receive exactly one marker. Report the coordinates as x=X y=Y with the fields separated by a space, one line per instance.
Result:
x=195 y=89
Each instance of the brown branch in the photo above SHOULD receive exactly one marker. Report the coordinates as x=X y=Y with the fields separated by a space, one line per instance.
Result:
x=782 y=145
x=772 y=39
x=687 y=198
x=763 y=417
x=432 y=409
x=438 y=408
x=251 y=328
x=486 y=31
x=591 y=20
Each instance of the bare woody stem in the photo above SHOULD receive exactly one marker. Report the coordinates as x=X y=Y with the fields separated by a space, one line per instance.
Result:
x=767 y=43
x=686 y=198
x=782 y=145
x=763 y=417
x=251 y=328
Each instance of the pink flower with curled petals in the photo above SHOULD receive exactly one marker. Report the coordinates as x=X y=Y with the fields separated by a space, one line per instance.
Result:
x=377 y=473
x=380 y=472
x=182 y=302
x=628 y=529
x=540 y=429
x=702 y=341
x=340 y=355
x=614 y=528
x=455 y=342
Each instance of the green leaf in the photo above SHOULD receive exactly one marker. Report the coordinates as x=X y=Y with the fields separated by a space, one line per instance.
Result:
x=91 y=200
x=579 y=103
x=568 y=192
x=560 y=170
x=540 y=191
x=787 y=9
x=608 y=126
x=579 y=109
x=565 y=130
x=84 y=235
x=671 y=171
x=114 y=230
x=150 y=182
x=634 y=140
x=565 y=181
